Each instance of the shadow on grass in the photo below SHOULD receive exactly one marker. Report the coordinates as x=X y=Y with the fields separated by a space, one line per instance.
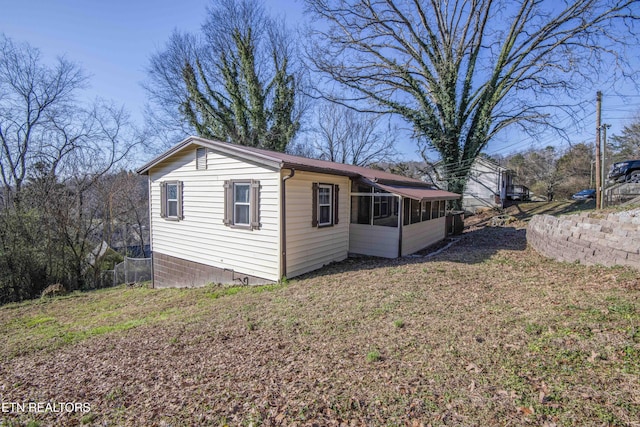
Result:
x=475 y=246
x=525 y=211
x=472 y=247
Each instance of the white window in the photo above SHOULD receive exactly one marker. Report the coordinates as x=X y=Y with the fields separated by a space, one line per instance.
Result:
x=324 y=204
x=241 y=204
x=171 y=200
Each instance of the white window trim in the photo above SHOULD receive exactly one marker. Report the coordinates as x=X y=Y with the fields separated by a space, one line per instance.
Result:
x=330 y=204
x=381 y=201
x=229 y=218
x=165 y=200
x=236 y=203
x=169 y=200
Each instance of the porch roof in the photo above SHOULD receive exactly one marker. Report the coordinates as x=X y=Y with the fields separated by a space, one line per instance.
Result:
x=417 y=193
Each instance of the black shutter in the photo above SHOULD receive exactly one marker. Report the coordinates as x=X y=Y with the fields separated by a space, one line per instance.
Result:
x=336 y=198
x=314 y=204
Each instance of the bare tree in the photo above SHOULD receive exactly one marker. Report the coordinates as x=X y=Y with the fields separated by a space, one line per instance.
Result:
x=107 y=138
x=125 y=199
x=461 y=71
x=537 y=169
x=32 y=97
x=344 y=135
x=575 y=167
x=53 y=151
x=167 y=90
x=237 y=82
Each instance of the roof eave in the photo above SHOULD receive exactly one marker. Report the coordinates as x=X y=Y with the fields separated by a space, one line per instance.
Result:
x=456 y=197
x=144 y=170
x=222 y=147
x=416 y=183
x=324 y=170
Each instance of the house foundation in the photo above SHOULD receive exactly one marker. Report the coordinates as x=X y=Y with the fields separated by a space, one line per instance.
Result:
x=171 y=272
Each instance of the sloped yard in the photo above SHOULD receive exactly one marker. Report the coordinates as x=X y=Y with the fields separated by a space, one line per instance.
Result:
x=485 y=333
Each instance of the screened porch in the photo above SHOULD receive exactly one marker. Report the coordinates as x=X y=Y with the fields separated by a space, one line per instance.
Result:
x=391 y=221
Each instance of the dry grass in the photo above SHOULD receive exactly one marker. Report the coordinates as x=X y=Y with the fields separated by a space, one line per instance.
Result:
x=485 y=333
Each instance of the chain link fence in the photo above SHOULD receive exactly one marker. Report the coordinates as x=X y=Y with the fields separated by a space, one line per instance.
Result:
x=129 y=271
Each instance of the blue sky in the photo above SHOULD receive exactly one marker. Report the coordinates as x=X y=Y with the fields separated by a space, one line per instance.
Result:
x=113 y=40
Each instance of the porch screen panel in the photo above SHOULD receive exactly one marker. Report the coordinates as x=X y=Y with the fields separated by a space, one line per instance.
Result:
x=415 y=211
x=426 y=211
x=435 y=209
x=361 y=209
x=388 y=210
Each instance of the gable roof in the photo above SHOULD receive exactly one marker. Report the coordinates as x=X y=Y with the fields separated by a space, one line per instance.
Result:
x=491 y=164
x=278 y=160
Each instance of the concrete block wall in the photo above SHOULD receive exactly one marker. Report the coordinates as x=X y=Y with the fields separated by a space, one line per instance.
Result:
x=171 y=272
x=589 y=238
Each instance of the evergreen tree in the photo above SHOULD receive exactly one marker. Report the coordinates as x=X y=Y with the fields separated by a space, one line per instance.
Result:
x=626 y=146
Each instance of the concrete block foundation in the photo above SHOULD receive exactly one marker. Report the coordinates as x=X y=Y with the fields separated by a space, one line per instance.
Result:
x=173 y=272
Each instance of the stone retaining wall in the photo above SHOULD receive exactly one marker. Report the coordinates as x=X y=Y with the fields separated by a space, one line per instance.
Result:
x=589 y=238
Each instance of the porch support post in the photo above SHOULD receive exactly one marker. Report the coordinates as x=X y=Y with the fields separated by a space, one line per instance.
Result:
x=400 y=222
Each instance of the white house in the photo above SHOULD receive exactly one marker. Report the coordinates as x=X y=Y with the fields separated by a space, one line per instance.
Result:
x=489 y=186
x=227 y=213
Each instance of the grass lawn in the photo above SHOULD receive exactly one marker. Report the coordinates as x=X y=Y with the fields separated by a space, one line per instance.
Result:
x=485 y=333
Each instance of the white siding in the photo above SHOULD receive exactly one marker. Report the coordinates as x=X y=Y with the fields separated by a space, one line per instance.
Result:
x=420 y=235
x=373 y=240
x=201 y=236
x=485 y=181
x=308 y=247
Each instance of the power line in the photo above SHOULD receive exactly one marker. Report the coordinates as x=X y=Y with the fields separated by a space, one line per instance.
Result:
x=533 y=142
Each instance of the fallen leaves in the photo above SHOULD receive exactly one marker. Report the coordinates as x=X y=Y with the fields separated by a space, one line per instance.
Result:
x=472 y=367
x=528 y=410
x=463 y=356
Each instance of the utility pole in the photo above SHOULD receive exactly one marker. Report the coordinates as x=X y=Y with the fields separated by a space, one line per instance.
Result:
x=604 y=163
x=598 y=165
